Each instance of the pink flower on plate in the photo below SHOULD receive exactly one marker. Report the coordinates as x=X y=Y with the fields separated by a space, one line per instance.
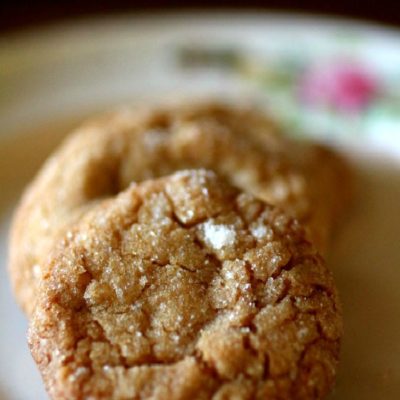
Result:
x=345 y=86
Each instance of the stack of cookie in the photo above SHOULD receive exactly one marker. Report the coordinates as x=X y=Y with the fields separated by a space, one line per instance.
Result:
x=177 y=253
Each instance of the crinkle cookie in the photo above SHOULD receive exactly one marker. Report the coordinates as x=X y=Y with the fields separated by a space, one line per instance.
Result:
x=103 y=157
x=185 y=288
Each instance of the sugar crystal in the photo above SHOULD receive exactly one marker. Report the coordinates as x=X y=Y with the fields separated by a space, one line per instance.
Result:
x=219 y=236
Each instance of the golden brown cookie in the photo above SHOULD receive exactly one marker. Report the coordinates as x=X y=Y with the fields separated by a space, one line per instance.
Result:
x=104 y=156
x=185 y=288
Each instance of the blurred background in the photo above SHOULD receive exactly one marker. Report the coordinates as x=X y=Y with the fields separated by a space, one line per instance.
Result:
x=19 y=14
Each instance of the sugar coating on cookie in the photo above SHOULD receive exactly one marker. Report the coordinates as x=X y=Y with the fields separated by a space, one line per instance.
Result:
x=104 y=156
x=185 y=288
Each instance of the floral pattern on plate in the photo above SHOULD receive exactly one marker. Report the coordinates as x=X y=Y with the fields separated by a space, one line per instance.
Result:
x=331 y=97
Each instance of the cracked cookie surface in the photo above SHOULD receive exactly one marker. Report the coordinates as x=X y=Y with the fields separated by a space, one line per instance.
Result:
x=104 y=156
x=185 y=288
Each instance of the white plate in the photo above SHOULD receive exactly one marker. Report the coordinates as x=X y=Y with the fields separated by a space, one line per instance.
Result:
x=349 y=75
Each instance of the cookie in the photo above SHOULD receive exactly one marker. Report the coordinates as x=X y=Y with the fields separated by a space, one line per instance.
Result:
x=104 y=156
x=186 y=288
